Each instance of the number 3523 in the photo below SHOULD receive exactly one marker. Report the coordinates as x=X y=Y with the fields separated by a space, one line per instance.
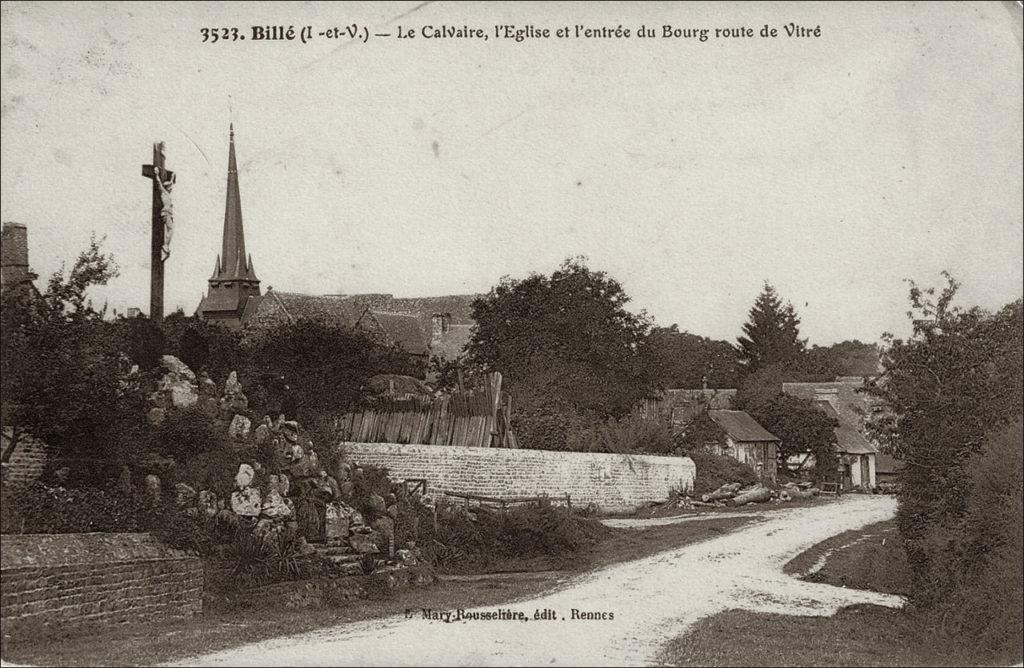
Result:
x=217 y=34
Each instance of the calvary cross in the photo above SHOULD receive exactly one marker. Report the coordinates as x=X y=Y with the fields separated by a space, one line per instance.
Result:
x=157 y=173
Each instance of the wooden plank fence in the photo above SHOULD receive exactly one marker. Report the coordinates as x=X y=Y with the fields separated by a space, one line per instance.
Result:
x=476 y=418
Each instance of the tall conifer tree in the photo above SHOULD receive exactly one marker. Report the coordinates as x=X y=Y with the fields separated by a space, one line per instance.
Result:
x=771 y=336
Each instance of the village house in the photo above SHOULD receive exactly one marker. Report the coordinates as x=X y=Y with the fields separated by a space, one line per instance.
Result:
x=747 y=441
x=423 y=327
x=841 y=400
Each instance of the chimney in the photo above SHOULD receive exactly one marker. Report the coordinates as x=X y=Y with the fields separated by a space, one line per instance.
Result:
x=14 y=255
x=440 y=323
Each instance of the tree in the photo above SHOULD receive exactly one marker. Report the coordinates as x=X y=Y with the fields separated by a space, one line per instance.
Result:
x=957 y=378
x=684 y=360
x=60 y=367
x=799 y=424
x=566 y=345
x=317 y=367
x=772 y=333
x=801 y=428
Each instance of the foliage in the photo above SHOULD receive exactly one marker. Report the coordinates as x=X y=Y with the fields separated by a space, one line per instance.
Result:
x=953 y=388
x=214 y=469
x=798 y=423
x=631 y=434
x=972 y=589
x=324 y=366
x=772 y=333
x=713 y=471
x=259 y=559
x=825 y=363
x=759 y=388
x=569 y=350
x=686 y=360
x=700 y=434
x=567 y=336
x=59 y=368
x=188 y=432
x=957 y=377
x=801 y=427
x=204 y=346
x=483 y=537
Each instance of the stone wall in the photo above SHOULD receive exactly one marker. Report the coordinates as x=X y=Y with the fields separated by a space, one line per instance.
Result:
x=28 y=459
x=65 y=583
x=615 y=482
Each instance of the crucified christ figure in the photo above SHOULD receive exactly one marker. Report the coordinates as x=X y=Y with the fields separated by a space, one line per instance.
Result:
x=166 y=208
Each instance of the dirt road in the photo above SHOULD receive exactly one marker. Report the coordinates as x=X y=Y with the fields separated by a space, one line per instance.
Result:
x=651 y=600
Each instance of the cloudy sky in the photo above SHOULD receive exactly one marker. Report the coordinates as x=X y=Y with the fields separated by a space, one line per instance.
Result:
x=835 y=167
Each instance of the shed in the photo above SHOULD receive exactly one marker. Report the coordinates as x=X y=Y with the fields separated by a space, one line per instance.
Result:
x=747 y=441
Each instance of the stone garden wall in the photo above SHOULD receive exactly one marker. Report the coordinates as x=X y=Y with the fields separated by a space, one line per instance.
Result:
x=62 y=583
x=615 y=482
x=26 y=461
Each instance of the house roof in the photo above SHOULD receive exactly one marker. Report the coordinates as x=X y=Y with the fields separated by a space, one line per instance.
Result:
x=841 y=400
x=340 y=311
x=740 y=426
x=402 y=330
x=452 y=342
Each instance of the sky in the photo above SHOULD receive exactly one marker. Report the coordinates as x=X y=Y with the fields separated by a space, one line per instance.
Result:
x=835 y=167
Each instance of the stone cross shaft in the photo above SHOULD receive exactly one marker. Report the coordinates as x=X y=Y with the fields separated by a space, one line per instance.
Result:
x=157 y=172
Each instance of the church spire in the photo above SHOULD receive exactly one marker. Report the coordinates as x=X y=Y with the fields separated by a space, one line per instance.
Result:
x=233 y=255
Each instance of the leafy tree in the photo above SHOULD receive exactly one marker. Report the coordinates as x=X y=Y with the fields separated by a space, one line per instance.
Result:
x=958 y=377
x=567 y=346
x=323 y=366
x=799 y=424
x=801 y=428
x=60 y=368
x=685 y=360
x=772 y=333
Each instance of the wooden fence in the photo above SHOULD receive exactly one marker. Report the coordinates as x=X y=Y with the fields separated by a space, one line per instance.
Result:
x=475 y=418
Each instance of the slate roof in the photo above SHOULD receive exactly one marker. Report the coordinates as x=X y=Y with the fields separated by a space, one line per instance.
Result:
x=452 y=342
x=405 y=322
x=330 y=309
x=740 y=426
x=403 y=330
x=841 y=401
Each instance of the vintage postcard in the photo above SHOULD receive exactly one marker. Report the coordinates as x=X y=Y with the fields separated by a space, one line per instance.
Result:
x=512 y=333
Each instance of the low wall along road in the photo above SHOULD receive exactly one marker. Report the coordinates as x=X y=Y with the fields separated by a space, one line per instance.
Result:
x=615 y=482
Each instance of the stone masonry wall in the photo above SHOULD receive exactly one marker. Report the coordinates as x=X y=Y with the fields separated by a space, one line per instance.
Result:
x=615 y=482
x=28 y=459
x=68 y=583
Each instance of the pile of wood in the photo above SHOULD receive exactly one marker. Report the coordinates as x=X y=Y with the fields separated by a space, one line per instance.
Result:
x=792 y=490
x=734 y=494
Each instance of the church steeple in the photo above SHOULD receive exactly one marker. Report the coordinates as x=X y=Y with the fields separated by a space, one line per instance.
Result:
x=235 y=264
x=234 y=280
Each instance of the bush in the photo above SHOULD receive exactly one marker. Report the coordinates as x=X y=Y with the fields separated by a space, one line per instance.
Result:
x=713 y=471
x=188 y=432
x=972 y=587
x=37 y=508
x=481 y=536
x=632 y=434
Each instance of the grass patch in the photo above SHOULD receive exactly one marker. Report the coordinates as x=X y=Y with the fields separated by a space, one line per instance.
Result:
x=861 y=635
x=149 y=644
x=870 y=558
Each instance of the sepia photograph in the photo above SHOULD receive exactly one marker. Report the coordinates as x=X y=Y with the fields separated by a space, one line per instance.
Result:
x=433 y=333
